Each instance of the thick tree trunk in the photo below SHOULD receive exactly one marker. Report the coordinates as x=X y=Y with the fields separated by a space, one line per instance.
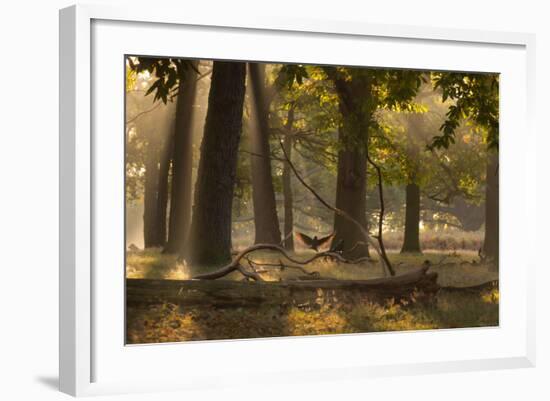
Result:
x=287 y=185
x=150 y=195
x=351 y=193
x=210 y=242
x=351 y=182
x=411 y=242
x=182 y=161
x=491 y=242
x=266 y=222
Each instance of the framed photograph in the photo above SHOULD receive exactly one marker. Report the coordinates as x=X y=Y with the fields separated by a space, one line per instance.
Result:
x=290 y=199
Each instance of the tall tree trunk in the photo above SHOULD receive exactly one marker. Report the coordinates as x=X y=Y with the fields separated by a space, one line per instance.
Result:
x=351 y=181
x=266 y=222
x=211 y=225
x=165 y=157
x=182 y=162
x=287 y=184
x=351 y=193
x=150 y=195
x=411 y=242
x=491 y=242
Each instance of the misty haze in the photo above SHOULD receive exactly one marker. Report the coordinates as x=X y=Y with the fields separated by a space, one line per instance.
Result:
x=267 y=200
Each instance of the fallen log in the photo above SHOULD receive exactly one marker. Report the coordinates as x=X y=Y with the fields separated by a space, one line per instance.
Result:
x=479 y=288
x=225 y=293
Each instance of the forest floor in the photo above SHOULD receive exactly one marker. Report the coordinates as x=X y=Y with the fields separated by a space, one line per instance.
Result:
x=167 y=322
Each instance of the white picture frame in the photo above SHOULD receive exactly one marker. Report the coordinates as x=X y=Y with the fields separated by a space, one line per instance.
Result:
x=89 y=363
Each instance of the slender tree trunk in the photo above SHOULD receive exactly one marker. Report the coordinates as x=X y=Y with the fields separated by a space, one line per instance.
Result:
x=266 y=221
x=287 y=185
x=150 y=195
x=491 y=242
x=411 y=242
x=162 y=191
x=182 y=162
x=211 y=225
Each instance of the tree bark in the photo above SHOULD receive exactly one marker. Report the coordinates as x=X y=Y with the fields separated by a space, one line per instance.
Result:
x=210 y=242
x=491 y=242
x=351 y=193
x=182 y=161
x=266 y=222
x=287 y=185
x=411 y=242
x=165 y=159
x=150 y=195
x=351 y=181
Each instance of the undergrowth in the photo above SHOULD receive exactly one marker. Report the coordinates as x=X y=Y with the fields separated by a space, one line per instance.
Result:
x=167 y=322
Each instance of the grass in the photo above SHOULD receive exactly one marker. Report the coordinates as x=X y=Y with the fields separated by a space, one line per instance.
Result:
x=172 y=323
x=165 y=322
x=456 y=268
x=444 y=240
x=151 y=263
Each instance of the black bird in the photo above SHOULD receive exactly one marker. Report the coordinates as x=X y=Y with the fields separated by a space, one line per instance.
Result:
x=314 y=243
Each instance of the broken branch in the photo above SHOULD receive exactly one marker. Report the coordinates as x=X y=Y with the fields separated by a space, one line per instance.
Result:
x=236 y=263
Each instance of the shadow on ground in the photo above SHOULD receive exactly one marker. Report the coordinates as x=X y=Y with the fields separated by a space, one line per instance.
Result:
x=51 y=382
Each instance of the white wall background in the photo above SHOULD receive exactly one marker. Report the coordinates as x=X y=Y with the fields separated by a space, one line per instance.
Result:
x=29 y=196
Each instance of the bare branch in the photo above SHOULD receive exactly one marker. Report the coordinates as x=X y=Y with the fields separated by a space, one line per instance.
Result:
x=340 y=212
x=272 y=157
x=138 y=115
x=249 y=274
x=235 y=265
x=381 y=216
x=281 y=266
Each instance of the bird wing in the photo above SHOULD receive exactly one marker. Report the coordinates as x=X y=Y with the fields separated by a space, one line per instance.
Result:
x=326 y=239
x=306 y=240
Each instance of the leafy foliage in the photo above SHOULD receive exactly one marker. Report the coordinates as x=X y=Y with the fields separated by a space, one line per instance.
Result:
x=168 y=72
x=290 y=73
x=476 y=97
x=400 y=146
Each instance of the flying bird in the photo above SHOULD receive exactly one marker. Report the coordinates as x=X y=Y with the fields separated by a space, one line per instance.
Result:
x=313 y=243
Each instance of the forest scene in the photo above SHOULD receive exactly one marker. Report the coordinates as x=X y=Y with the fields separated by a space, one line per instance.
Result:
x=269 y=199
